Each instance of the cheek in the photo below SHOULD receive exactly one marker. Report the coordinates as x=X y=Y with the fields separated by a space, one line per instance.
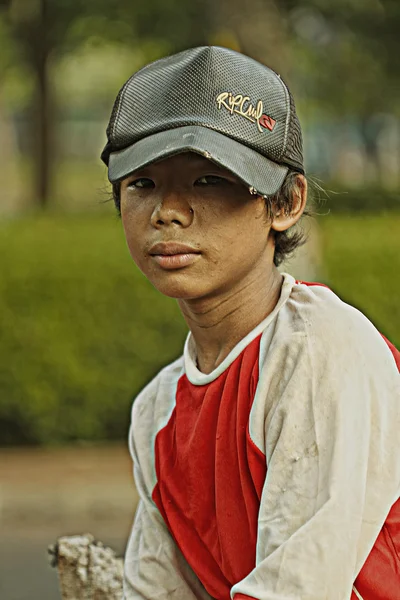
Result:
x=133 y=229
x=244 y=233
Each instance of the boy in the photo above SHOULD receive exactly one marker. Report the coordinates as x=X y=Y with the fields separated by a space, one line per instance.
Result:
x=267 y=456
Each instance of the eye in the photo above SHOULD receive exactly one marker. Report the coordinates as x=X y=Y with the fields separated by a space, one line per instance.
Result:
x=141 y=183
x=210 y=180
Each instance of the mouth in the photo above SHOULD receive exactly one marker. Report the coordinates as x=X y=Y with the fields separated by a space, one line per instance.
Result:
x=173 y=255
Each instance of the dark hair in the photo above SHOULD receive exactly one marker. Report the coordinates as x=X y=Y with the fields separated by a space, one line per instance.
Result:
x=286 y=242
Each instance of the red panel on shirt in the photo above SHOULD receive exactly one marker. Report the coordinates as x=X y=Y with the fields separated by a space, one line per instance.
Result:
x=379 y=579
x=394 y=351
x=210 y=474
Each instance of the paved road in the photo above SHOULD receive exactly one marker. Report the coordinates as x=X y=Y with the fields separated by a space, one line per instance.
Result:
x=25 y=573
x=47 y=494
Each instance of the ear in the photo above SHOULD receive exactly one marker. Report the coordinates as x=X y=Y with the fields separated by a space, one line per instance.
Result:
x=281 y=220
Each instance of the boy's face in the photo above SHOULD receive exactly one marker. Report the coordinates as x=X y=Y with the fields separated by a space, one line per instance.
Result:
x=188 y=200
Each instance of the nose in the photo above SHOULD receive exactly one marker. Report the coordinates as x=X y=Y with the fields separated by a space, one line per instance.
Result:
x=173 y=209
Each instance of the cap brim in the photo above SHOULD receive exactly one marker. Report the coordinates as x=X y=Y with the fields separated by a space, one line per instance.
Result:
x=255 y=171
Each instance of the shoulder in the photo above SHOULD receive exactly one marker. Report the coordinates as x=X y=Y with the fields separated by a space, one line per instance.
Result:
x=326 y=356
x=153 y=405
x=150 y=412
x=332 y=324
x=315 y=327
x=146 y=400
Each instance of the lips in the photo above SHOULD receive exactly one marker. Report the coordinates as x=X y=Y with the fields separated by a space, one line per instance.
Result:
x=172 y=255
x=171 y=249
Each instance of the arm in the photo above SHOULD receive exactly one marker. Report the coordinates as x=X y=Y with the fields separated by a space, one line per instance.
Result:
x=154 y=567
x=332 y=448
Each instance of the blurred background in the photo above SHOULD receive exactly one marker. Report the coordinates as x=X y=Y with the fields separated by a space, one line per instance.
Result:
x=81 y=331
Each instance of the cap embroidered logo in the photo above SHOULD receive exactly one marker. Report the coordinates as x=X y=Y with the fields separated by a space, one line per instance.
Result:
x=242 y=106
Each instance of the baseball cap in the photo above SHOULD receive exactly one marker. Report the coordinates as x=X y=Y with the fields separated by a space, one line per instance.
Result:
x=210 y=100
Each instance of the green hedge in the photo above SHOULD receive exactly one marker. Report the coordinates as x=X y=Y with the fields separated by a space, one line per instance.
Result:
x=82 y=330
x=361 y=263
x=344 y=200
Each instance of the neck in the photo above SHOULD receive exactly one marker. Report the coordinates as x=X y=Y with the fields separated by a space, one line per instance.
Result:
x=218 y=323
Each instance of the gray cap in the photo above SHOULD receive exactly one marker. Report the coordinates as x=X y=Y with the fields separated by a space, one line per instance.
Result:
x=213 y=101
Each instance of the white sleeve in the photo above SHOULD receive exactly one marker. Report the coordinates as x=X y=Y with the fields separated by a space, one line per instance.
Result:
x=333 y=457
x=154 y=567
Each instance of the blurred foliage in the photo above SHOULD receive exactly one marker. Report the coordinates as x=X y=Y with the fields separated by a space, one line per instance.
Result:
x=83 y=331
x=177 y=23
x=374 y=200
x=63 y=59
x=33 y=32
x=361 y=258
x=42 y=31
x=346 y=54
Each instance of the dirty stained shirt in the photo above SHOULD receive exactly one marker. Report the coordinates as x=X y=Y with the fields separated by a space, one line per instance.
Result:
x=277 y=475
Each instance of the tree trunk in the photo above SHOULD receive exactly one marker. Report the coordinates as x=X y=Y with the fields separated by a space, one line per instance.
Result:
x=9 y=156
x=32 y=24
x=43 y=113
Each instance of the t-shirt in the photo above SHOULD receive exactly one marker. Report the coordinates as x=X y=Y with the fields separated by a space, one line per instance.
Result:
x=277 y=475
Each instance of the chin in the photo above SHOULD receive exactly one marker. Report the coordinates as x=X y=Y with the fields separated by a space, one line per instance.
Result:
x=174 y=287
x=179 y=292
x=181 y=284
